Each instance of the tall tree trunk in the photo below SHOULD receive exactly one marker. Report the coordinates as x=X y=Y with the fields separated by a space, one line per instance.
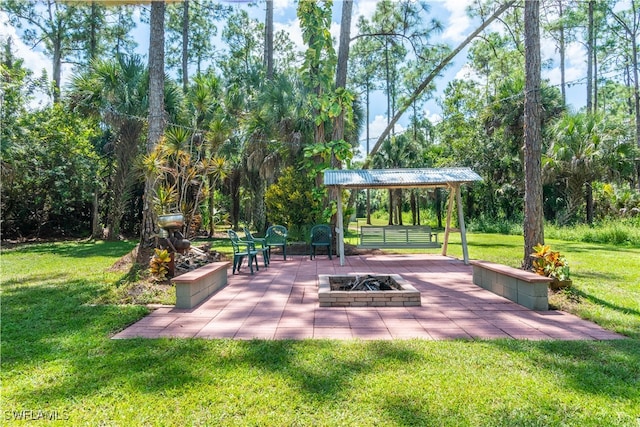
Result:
x=388 y=82
x=125 y=151
x=562 y=49
x=341 y=83
x=368 y=190
x=589 y=201
x=595 y=73
x=259 y=209
x=234 y=191
x=636 y=90
x=343 y=49
x=341 y=69
x=57 y=67
x=533 y=215
x=156 y=116
x=185 y=46
x=590 y=57
x=268 y=40
x=96 y=229
x=93 y=31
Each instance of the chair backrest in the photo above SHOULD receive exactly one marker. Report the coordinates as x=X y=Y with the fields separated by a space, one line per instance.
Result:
x=247 y=233
x=233 y=236
x=276 y=234
x=321 y=234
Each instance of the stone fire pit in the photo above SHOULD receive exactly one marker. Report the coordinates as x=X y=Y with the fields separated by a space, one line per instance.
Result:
x=366 y=290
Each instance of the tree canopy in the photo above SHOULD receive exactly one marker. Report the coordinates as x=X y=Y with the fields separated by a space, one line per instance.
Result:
x=247 y=114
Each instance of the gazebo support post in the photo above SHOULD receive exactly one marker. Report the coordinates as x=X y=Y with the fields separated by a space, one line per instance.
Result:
x=463 y=230
x=455 y=193
x=339 y=227
x=447 y=229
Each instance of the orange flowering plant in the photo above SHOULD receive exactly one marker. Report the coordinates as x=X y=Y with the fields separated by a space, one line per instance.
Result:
x=550 y=263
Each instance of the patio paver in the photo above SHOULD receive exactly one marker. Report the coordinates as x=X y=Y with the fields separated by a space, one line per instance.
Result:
x=281 y=302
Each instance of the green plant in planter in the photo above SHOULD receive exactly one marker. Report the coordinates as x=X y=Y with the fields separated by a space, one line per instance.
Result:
x=550 y=263
x=159 y=265
x=165 y=199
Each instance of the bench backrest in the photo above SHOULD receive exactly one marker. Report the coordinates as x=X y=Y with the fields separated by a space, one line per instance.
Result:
x=396 y=234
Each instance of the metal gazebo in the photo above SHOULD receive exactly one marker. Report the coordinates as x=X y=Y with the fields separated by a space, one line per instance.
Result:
x=451 y=178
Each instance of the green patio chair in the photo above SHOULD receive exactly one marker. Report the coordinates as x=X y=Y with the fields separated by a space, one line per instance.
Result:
x=276 y=236
x=320 y=236
x=259 y=244
x=241 y=249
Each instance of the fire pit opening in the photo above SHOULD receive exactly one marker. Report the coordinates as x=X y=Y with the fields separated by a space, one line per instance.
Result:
x=366 y=282
x=366 y=290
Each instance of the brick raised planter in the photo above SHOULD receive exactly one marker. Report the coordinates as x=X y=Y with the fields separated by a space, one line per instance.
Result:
x=523 y=287
x=407 y=296
x=193 y=287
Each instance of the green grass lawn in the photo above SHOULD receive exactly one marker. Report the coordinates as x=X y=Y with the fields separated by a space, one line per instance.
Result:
x=58 y=358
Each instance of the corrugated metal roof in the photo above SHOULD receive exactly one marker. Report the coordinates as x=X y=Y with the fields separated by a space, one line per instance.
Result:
x=398 y=178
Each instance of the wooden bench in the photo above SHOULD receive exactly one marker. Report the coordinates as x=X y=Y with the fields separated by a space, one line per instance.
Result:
x=398 y=236
x=523 y=287
x=195 y=286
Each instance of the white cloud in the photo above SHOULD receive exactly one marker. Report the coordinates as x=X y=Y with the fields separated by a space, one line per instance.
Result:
x=335 y=34
x=365 y=8
x=280 y=7
x=33 y=59
x=295 y=33
x=434 y=118
x=378 y=125
x=576 y=54
x=548 y=48
x=466 y=72
x=458 y=23
x=575 y=65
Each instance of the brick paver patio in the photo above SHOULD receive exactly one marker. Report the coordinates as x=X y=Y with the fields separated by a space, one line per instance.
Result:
x=281 y=302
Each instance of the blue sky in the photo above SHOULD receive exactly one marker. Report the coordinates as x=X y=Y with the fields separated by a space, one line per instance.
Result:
x=452 y=14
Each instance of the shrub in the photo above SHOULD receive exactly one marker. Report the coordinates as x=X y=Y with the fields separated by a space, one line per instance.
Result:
x=292 y=201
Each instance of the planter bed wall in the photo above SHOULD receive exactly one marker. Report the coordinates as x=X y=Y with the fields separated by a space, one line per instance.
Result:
x=523 y=287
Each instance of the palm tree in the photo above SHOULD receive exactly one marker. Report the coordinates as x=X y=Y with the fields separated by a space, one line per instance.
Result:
x=115 y=91
x=275 y=129
x=575 y=157
x=225 y=141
